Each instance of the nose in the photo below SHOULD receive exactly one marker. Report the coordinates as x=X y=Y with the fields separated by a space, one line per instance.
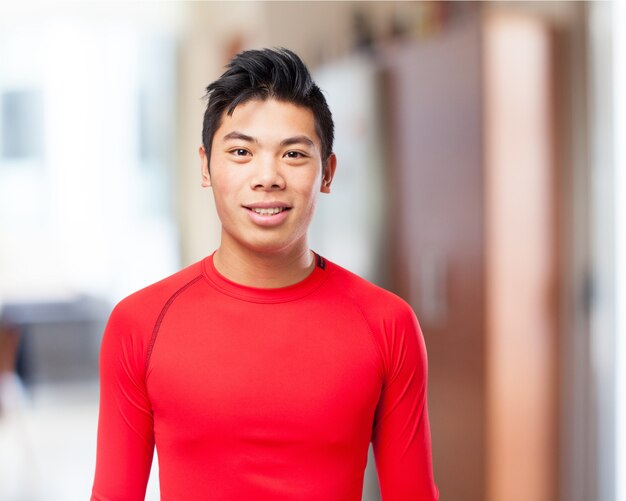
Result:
x=267 y=175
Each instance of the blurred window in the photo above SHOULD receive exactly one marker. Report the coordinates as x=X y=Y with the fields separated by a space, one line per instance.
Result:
x=87 y=135
x=21 y=124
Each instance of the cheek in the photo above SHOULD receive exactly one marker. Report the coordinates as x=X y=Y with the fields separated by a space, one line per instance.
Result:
x=309 y=186
x=310 y=195
x=225 y=185
x=224 y=198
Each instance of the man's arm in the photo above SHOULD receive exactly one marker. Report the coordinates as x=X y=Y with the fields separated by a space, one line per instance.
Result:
x=125 y=426
x=401 y=435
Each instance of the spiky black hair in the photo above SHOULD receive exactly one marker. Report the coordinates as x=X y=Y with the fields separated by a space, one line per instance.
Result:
x=262 y=74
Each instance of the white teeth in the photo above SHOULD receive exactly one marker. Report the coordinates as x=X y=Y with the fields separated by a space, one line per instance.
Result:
x=268 y=212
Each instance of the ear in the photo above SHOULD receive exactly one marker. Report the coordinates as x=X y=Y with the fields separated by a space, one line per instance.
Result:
x=204 y=167
x=329 y=173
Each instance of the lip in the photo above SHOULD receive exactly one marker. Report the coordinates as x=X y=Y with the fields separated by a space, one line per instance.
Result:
x=268 y=220
x=267 y=205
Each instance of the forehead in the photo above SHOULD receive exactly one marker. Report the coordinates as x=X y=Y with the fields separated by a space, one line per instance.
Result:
x=269 y=120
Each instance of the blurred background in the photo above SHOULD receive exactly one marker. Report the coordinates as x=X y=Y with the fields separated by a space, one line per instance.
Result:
x=480 y=176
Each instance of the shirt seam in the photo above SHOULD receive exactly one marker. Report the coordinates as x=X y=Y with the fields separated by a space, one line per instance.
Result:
x=382 y=377
x=163 y=312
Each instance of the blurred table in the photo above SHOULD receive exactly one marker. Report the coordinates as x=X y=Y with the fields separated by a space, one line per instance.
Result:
x=54 y=340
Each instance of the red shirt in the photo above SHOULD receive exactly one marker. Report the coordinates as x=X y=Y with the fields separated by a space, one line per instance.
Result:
x=263 y=394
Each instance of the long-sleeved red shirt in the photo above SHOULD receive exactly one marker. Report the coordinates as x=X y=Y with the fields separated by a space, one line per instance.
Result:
x=263 y=394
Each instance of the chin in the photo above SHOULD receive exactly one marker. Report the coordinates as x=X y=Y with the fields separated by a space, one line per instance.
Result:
x=270 y=246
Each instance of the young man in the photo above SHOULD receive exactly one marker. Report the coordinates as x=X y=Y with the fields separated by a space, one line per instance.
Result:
x=264 y=371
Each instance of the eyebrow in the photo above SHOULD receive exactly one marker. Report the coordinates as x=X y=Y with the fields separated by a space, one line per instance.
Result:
x=297 y=140
x=240 y=136
x=235 y=135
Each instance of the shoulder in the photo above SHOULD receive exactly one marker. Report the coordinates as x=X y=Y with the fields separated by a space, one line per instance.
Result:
x=390 y=319
x=373 y=300
x=129 y=333
x=141 y=308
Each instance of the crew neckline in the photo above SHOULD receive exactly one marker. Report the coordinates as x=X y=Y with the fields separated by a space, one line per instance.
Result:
x=267 y=295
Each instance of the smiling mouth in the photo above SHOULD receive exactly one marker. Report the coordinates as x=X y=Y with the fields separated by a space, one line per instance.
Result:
x=267 y=211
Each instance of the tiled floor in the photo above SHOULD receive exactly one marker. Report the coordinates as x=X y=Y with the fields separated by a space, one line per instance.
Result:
x=48 y=443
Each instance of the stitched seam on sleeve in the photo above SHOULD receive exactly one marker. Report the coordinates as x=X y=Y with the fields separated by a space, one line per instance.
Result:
x=157 y=326
x=382 y=376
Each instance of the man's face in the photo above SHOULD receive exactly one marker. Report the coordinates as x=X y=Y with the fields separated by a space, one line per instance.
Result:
x=266 y=174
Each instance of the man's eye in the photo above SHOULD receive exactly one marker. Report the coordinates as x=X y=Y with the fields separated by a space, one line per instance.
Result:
x=294 y=154
x=240 y=152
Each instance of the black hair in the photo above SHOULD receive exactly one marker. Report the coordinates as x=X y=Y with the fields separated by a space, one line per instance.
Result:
x=262 y=74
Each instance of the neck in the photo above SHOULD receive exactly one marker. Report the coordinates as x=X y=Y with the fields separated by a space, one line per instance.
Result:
x=265 y=270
